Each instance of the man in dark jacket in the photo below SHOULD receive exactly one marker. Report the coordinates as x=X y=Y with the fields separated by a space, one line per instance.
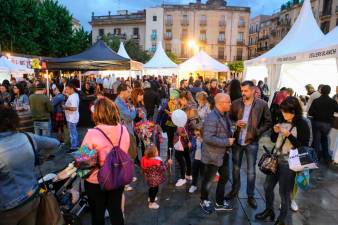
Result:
x=322 y=110
x=252 y=118
x=217 y=139
x=151 y=100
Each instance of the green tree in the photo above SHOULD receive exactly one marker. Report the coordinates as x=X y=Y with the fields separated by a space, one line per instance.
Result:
x=236 y=67
x=112 y=42
x=173 y=57
x=19 y=29
x=135 y=52
x=79 y=42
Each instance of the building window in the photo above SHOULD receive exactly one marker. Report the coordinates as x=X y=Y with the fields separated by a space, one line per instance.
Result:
x=203 y=36
x=337 y=21
x=221 y=37
x=168 y=47
x=241 y=37
x=203 y=20
x=168 y=35
x=135 y=31
x=184 y=20
x=154 y=18
x=184 y=34
x=117 y=31
x=153 y=48
x=220 y=52
x=101 y=32
x=241 y=22
x=169 y=20
x=325 y=26
x=239 y=54
x=153 y=35
x=183 y=51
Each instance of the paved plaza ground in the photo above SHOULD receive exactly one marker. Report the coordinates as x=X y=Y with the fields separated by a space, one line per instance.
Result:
x=318 y=206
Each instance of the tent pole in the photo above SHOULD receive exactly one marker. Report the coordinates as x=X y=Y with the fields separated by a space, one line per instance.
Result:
x=47 y=82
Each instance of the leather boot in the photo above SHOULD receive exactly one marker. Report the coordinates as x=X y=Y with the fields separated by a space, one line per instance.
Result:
x=266 y=215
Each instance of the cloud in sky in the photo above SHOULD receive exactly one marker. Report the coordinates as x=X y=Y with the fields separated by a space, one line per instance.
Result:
x=82 y=9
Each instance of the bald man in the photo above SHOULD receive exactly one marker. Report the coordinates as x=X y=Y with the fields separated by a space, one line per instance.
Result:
x=217 y=140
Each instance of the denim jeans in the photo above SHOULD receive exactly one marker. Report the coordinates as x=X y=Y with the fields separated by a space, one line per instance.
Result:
x=286 y=179
x=42 y=128
x=209 y=174
x=250 y=151
x=321 y=131
x=74 y=138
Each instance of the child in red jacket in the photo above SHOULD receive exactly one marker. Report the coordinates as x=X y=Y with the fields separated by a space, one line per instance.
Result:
x=154 y=171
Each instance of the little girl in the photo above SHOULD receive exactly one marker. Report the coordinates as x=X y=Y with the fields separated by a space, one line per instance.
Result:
x=197 y=165
x=154 y=171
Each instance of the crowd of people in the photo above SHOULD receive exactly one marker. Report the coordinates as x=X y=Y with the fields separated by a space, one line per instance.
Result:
x=224 y=122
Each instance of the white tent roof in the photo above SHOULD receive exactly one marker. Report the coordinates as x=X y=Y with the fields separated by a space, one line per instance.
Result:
x=160 y=60
x=203 y=62
x=327 y=47
x=304 y=32
x=9 y=67
x=122 y=51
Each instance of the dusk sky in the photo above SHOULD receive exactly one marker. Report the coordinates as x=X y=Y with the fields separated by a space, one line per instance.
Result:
x=82 y=9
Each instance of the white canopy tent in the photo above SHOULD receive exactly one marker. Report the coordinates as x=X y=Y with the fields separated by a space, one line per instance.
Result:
x=122 y=51
x=160 y=63
x=201 y=62
x=304 y=32
x=7 y=68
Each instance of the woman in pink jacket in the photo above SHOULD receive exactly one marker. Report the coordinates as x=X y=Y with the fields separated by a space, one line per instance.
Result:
x=106 y=117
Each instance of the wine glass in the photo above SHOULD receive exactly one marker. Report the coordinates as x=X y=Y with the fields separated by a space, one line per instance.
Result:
x=233 y=129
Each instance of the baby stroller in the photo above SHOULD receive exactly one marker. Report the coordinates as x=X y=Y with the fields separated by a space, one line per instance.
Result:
x=67 y=188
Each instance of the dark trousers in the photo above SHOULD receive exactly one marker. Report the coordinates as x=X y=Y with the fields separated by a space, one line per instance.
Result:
x=152 y=193
x=321 y=132
x=209 y=174
x=197 y=169
x=286 y=178
x=25 y=214
x=100 y=200
x=250 y=151
x=184 y=160
x=170 y=133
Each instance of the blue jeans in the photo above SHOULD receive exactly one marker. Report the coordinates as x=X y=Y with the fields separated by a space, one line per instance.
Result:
x=250 y=151
x=42 y=128
x=74 y=138
x=321 y=132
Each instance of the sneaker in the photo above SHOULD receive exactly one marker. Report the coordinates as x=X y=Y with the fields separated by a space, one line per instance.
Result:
x=192 y=189
x=225 y=207
x=153 y=205
x=128 y=188
x=188 y=177
x=206 y=206
x=106 y=214
x=181 y=182
x=134 y=179
x=155 y=199
x=294 y=206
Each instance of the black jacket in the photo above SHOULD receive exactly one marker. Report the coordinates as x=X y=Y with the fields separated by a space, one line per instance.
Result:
x=151 y=99
x=323 y=108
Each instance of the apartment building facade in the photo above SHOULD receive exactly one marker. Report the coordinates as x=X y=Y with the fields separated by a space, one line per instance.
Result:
x=273 y=29
x=123 y=25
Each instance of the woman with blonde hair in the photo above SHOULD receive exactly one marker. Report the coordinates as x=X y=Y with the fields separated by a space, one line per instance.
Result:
x=106 y=117
x=203 y=105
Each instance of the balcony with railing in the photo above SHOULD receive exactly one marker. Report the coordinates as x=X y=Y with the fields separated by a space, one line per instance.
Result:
x=240 y=42
x=119 y=36
x=168 y=22
x=184 y=22
x=238 y=57
x=262 y=49
x=168 y=36
x=221 y=40
x=203 y=22
x=241 y=25
x=135 y=36
x=222 y=23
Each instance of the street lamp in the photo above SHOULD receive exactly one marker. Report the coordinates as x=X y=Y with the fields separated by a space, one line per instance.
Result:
x=193 y=45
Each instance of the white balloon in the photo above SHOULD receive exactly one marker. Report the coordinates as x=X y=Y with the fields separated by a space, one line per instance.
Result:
x=179 y=118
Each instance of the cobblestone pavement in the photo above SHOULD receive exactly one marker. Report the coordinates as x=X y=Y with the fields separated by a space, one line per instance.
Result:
x=318 y=206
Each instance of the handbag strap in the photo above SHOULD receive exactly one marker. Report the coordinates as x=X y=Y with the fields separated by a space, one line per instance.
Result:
x=105 y=135
x=36 y=158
